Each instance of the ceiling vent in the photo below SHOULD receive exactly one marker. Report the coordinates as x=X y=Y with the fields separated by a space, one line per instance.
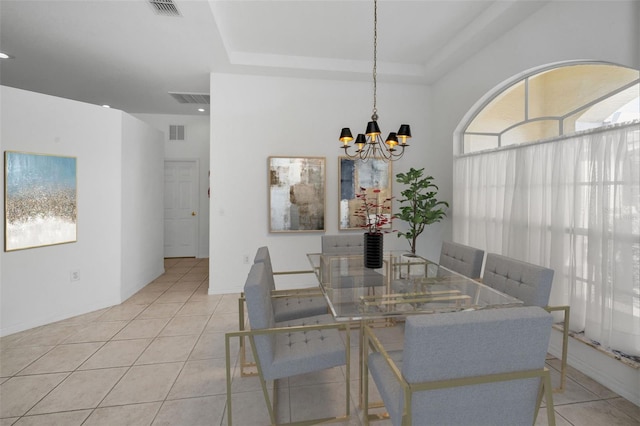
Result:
x=191 y=98
x=165 y=7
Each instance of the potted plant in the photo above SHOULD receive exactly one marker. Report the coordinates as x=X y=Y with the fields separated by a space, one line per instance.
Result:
x=418 y=207
x=374 y=214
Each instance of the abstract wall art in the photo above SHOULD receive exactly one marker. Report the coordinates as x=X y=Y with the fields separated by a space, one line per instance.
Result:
x=296 y=194
x=373 y=174
x=40 y=200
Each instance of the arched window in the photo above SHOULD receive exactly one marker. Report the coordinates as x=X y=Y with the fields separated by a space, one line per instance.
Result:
x=549 y=173
x=555 y=102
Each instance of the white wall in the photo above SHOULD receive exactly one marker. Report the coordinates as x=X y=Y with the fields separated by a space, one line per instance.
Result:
x=35 y=286
x=194 y=147
x=561 y=31
x=256 y=117
x=142 y=205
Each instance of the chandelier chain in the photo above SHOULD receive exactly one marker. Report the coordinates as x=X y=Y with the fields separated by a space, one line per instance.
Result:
x=374 y=116
x=370 y=144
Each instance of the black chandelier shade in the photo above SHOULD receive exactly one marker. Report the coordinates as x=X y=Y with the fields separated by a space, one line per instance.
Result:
x=370 y=144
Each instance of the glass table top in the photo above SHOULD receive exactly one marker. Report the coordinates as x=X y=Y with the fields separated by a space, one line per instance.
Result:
x=401 y=287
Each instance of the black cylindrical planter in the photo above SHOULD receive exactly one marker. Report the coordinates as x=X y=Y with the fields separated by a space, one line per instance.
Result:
x=373 y=250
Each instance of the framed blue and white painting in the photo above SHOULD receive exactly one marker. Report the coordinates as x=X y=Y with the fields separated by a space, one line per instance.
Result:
x=40 y=200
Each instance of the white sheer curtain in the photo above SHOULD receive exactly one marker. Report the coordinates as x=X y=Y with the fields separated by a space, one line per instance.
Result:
x=571 y=204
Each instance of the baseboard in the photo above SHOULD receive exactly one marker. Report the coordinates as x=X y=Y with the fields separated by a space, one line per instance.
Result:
x=616 y=375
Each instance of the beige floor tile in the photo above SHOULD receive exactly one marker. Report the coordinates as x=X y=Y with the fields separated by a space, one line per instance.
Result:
x=160 y=310
x=211 y=345
x=228 y=304
x=195 y=276
x=47 y=335
x=595 y=413
x=158 y=286
x=167 y=278
x=182 y=285
x=142 y=328
x=69 y=418
x=185 y=325
x=331 y=375
x=122 y=313
x=99 y=331
x=63 y=358
x=222 y=323
x=250 y=409
x=144 y=383
x=129 y=415
x=200 y=378
x=143 y=297
x=583 y=380
x=12 y=360
x=198 y=308
x=168 y=349
x=573 y=391
x=543 y=420
x=317 y=401
x=249 y=383
x=201 y=295
x=174 y=297
x=85 y=318
x=8 y=421
x=81 y=390
x=19 y=394
x=117 y=353
x=11 y=340
x=204 y=411
x=626 y=407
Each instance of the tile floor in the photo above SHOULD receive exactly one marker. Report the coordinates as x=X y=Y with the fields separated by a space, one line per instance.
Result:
x=158 y=359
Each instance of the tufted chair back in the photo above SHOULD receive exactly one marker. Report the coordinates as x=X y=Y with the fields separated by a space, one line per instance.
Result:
x=525 y=281
x=462 y=259
x=343 y=244
x=263 y=256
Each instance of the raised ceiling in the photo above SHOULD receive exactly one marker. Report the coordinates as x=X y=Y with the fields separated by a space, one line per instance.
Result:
x=122 y=53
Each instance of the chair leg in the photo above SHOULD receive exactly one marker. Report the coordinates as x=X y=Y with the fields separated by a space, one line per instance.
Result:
x=551 y=414
x=263 y=383
x=227 y=353
x=565 y=345
x=244 y=365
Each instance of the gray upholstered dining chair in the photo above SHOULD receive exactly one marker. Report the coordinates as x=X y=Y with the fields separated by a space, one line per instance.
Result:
x=295 y=303
x=483 y=367
x=343 y=244
x=287 y=304
x=288 y=348
x=462 y=259
x=531 y=284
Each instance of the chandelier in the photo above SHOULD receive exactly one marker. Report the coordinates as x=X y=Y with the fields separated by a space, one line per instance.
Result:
x=370 y=144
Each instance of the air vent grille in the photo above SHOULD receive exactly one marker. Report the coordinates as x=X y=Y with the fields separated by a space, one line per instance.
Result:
x=165 y=7
x=176 y=132
x=191 y=98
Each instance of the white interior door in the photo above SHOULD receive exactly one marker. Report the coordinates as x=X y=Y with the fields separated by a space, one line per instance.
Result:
x=180 y=208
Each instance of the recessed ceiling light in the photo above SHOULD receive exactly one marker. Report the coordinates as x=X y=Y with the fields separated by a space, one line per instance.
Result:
x=5 y=55
x=201 y=109
x=106 y=106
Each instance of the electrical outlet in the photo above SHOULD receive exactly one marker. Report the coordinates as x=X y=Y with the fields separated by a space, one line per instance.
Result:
x=245 y=259
x=74 y=275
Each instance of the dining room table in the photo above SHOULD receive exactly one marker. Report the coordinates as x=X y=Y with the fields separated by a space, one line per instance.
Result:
x=385 y=296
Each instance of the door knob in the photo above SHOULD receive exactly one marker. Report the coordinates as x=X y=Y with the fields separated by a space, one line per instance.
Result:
x=193 y=213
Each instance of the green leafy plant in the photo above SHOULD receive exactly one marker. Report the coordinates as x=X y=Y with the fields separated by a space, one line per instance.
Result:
x=419 y=206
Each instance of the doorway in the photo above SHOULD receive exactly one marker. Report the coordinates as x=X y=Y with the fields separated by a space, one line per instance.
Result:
x=181 y=208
